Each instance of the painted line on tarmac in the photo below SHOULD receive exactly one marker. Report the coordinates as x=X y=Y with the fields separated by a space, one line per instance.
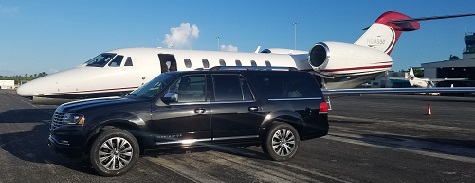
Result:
x=402 y=124
x=410 y=146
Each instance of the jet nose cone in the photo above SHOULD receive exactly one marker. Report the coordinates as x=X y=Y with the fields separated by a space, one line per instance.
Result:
x=24 y=90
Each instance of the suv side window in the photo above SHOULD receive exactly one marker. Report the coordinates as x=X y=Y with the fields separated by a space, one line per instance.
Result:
x=289 y=86
x=190 y=88
x=231 y=88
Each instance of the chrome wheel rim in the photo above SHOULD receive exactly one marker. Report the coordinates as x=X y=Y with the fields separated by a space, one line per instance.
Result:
x=283 y=142
x=115 y=153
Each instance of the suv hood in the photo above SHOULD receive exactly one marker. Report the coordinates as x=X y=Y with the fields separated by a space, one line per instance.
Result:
x=81 y=105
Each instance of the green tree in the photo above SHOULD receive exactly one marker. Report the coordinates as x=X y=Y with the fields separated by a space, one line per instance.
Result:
x=418 y=72
x=453 y=57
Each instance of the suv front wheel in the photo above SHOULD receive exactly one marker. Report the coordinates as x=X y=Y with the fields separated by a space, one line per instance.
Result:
x=281 y=142
x=114 y=152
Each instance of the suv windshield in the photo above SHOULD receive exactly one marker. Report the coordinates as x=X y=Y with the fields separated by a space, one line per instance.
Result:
x=150 y=89
x=100 y=60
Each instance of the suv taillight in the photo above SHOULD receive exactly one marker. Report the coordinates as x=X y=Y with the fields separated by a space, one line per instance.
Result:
x=323 y=107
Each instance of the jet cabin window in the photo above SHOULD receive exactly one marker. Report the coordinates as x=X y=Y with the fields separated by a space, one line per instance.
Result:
x=188 y=63
x=101 y=60
x=116 y=61
x=205 y=63
x=253 y=63
x=268 y=63
x=238 y=63
x=222 y=62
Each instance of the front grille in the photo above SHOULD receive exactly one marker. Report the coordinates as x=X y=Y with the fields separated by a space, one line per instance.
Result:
x=57 y=120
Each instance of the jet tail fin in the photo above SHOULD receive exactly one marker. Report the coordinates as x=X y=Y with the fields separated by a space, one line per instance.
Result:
x=388 y=27
x=383 y=34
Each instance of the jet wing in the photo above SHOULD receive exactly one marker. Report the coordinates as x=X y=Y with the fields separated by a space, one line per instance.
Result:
x=446 y=79
x=328 y=92
x=398 y=78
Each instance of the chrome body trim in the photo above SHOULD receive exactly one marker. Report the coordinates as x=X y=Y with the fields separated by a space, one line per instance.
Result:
x=51 y=138
x=191 y=141
x=187 y=141
x=236 y=137
x=190 y=103
x=280 y=99
x=232 y=101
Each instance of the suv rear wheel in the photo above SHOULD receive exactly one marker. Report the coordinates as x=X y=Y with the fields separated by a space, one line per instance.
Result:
x=281 y=142
x=114 y=152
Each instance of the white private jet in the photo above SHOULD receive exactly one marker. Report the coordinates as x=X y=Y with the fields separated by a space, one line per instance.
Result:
x=423 y=82
x=341 y=66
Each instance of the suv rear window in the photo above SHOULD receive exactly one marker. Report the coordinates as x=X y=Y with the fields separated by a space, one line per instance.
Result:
x=281 y=86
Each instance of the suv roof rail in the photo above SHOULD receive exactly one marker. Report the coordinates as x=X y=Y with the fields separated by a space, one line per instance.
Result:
x=201 y=69
x=215 y=68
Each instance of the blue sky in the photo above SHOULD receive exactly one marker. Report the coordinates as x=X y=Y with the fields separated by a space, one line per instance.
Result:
x=49 y=36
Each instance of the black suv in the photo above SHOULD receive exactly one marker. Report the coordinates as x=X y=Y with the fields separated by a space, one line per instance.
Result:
x=239 y=106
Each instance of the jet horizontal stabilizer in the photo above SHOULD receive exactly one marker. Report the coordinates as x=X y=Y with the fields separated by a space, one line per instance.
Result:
x=430 y=18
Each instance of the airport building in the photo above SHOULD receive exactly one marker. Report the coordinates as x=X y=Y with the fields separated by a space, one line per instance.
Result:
x=7 y=84
x=455 y=68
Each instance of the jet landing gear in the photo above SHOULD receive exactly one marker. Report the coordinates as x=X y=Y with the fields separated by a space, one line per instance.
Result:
x=327 y=100
x=329 y=103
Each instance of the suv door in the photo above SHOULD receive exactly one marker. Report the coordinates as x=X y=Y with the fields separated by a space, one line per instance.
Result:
x=236 y=114
x=186 y=121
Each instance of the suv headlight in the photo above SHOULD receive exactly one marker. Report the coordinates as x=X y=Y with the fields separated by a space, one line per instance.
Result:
x=73 y=119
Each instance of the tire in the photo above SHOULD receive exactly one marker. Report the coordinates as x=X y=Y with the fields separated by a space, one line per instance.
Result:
x=281 y=142
x=114 y=152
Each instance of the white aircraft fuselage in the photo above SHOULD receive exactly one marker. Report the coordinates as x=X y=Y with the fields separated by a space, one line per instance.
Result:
x=88 y=81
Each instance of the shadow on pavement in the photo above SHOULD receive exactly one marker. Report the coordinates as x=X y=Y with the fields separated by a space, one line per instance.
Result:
x=447 y=146
x=249 y=152
x=26 y=115
x=26 y=138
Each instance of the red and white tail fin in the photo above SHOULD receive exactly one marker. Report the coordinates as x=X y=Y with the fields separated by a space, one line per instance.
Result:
x=384 y=33
x=411 y=73
x=388 y=27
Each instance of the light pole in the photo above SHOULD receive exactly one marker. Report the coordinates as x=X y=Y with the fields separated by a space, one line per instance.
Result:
x=219 y=48
x=295 y=34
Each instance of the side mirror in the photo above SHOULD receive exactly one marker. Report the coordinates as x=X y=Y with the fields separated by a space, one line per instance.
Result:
x=169 y=98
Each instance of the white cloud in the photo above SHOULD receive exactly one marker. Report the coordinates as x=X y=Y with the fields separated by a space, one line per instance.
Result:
x=5 y=10
x=182 y=37
x=228 y=48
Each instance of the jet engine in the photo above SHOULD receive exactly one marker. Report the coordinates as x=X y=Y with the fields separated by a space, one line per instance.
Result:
x=335 y=59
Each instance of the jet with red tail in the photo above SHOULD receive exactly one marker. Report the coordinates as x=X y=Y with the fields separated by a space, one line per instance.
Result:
x=340 y=66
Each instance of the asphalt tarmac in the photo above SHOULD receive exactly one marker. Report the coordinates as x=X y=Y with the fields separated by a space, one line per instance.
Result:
x=372 y=138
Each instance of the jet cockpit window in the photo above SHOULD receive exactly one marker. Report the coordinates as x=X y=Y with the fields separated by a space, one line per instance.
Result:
x=116 y=61
x=128 y=62
x=100 y=60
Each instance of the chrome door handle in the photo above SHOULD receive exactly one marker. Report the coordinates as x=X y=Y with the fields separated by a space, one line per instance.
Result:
x=253 y=108
x=200 y=111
